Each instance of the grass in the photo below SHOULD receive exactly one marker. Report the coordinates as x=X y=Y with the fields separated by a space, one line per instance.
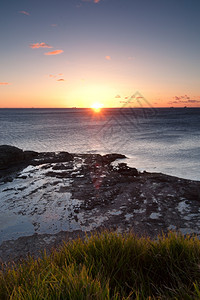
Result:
x=109 y=266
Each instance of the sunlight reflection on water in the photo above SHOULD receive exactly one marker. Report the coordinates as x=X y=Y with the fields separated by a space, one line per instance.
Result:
x=168 y=141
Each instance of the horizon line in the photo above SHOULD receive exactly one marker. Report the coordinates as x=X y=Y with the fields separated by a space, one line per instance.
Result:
x=151 y=107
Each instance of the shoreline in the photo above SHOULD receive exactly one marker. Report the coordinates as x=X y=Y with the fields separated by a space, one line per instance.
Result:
x=63 y=195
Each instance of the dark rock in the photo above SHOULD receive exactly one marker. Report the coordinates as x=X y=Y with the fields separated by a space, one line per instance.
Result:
x=97 y=159
x=30 y=155
x=23 y=177
x=46 y=166
x=108 y=158
x=8 y=179
x=123 y=169
x=52 y=157
x=10 y=155
x=64 y=174
x=65 y=156
x=91 y=159
x=192 y=192
x=51 y=174
x=61 y=166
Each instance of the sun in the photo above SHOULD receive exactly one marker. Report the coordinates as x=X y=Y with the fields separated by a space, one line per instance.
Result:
x=96 y=107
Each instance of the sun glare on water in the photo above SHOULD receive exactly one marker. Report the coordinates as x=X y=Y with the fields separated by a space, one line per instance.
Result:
x=97 y=107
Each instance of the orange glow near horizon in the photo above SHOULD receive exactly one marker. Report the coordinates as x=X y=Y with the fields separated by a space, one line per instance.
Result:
x=94 y=96
x=97 y=107
x=85 y=95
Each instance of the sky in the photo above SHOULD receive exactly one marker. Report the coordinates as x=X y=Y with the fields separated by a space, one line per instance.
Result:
x=74 y=53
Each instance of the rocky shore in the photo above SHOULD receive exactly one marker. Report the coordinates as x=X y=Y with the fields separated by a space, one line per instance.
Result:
x=49 y=197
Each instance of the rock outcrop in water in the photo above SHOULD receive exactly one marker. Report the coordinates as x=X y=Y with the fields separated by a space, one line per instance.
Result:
x=62 y=195
x=11 y=156
x=13 y=159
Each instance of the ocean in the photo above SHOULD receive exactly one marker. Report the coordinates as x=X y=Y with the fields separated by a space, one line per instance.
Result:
x=163 y=140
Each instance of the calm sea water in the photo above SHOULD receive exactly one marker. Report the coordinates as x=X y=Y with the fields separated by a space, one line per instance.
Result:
x=160 y=140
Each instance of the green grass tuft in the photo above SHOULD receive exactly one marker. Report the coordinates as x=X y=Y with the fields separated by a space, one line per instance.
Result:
x=110 y=266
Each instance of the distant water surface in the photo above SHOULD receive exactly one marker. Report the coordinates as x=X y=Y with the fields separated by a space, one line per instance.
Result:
x=160 y=140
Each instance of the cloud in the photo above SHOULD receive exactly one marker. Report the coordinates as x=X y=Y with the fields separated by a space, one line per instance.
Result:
x=178 y=98
x=54 y=25
x=172 y=102
x=4 y=83
x=57 y=76
x=24 y=12
x=55 y=52
x=94 y=1
x=183 y=99
x=108 y=57
x=193 y=101
x=133 y=96
x=118 y=96
x=39 y=45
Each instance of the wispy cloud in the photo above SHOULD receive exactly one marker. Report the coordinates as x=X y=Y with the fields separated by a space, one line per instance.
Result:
x=39 y=45
x=193 y=101
x=56 y=76
x=54 y=25
x=4 y=83
x=185 y=99
x=108 y=57
x=55 y=52
x=94 y=1
x=118 y=96
x=24 y=12
x=79 y=5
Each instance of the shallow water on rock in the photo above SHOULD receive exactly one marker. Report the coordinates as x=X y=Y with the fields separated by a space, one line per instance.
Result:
x=88 y=192
x=33 y=203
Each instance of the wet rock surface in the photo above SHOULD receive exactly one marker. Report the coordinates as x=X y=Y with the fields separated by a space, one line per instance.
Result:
x=10 y=156
x=59 y=196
